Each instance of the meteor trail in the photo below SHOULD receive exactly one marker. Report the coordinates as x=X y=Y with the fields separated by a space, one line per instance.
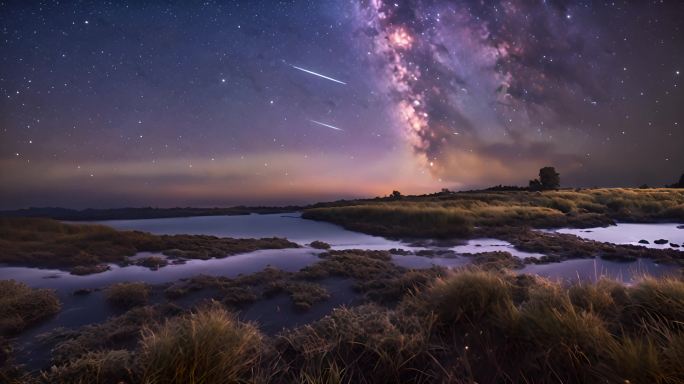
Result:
x=318 y=74
x=326 y=125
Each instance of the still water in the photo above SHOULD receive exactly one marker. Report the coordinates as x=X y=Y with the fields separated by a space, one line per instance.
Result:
x=294 y=228
x=632 y=233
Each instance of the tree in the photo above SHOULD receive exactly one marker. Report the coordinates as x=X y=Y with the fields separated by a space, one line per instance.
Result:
x=535 y=185
x=395 y=195
x=680 y=184
x=548 y=179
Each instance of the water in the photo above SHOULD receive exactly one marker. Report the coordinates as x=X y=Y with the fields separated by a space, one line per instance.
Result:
x=631 y=233
x=287 y=225
x=585 y=270
x=419 y=262
x=302 y=231
x=231 y=266
x=274 y=313
x=80 y=310
x=492 y=245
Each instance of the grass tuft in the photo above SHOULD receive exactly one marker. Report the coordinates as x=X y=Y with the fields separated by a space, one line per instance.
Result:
x=127 y=295
x=22 y=306
x=208 y=346
x=101 y=367
x=470 y=296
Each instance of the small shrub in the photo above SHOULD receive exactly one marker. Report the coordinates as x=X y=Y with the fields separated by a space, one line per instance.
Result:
x=470 y=296
x=238 y=296
x=101 y=367
x=22 y=306
x=319 y=245
x=304 y=295
x=153 y=262
x=656 y=299
x=604 y=297
x=209 y=346
x=126 y=295
x=361 y=345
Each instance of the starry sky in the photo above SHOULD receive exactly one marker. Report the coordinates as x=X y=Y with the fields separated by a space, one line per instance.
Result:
x=215 y=103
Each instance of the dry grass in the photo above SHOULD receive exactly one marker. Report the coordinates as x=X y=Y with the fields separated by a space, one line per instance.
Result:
x=395 y=220
x=454 y=215
x=83 y=247
x=101 y=367
x=22 y=306
x=209 y=346
x=468 y=325
x=126 y=295
x=363 y=345
x=602 y=332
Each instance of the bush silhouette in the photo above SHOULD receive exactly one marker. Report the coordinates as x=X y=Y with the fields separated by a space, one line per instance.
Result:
x=548 y=179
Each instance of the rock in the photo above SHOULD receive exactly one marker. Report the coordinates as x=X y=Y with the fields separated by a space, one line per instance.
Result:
x=319 y=245
x=661 y=241
x=400 y=251
x=83 y=291
x=81 y=270
x=680 y=226
x=152 y=262
x=618 y=257
x=53 y=276
x=642 y=241
x=302 y=306
x=673 y=245
x=426 y=253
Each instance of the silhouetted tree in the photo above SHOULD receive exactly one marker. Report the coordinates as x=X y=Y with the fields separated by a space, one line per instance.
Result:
x=679 y=184
x=535 y=185
x=395 y=195
x=549 y=178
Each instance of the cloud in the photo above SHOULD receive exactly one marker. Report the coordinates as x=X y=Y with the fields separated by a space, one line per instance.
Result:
x=260 y=178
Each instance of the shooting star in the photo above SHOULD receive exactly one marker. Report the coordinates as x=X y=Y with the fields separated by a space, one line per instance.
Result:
x=318 y=74
x=326 y=125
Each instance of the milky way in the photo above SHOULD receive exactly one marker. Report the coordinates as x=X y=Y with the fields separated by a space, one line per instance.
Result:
x=270 y=102
x=498 y=86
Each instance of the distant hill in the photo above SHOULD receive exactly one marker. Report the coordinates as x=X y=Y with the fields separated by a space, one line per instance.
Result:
x=138 y=213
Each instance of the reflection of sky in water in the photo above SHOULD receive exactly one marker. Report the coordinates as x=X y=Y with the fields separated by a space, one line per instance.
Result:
x=630 y=233
x=584 y=270
x=285 y=259
x=492 y=245
x=287 y=225
x=419 y=262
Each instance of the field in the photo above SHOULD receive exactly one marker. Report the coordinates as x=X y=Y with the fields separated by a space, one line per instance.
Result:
x=464 y=214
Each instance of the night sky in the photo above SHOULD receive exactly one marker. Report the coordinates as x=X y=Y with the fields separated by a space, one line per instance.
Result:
x=177 y=103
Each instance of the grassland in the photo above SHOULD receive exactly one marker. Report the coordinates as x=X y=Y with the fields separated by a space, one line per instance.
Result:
x=464 y=326
x=83 y=248
x=511 y=216
x=463 y=214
